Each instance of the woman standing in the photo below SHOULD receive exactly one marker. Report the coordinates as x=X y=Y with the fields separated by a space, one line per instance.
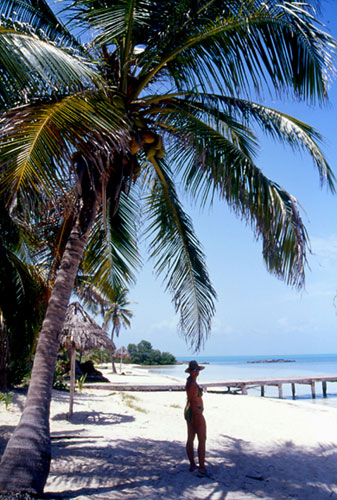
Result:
x=196 y=424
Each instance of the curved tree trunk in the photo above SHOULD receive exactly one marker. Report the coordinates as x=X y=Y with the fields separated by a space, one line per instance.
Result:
x=26 y=460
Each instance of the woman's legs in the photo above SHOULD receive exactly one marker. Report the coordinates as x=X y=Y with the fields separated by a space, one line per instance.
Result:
x=200 y=427
x=189 y=445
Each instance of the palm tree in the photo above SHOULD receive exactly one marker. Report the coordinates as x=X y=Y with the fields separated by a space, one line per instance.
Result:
x=163 y=94
x=81 y=332
x=122 y=353
x=117 y=314
x=112 y=304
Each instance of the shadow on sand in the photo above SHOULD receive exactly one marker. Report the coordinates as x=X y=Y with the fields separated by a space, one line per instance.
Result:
x=158 y=469
x=5 y=433
x=94 y=418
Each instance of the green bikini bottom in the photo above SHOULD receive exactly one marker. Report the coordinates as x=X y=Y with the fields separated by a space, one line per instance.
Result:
x=188 y=412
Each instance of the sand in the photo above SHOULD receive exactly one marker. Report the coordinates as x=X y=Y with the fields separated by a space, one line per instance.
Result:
x=131 y=445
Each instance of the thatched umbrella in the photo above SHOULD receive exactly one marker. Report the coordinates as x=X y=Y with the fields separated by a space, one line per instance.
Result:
x=122 y=353
x=80 y=332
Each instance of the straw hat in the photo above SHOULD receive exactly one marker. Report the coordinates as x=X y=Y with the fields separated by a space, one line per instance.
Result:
x=193 y=367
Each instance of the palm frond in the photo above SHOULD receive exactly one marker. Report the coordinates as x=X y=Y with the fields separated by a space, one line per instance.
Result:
x=36 y=155
x=31 y=69
x=287 y=129
x=117 y=20
x=35 y=16
x=23 y=297
x=272 y=212
x=179 y=258
x=279 y=46
x=112 y=256
x=91 y=298
x=216 y=119
x=115 y=309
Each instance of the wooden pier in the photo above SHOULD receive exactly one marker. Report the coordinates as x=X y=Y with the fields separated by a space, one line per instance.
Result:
x=244 y=385
x=237 y=386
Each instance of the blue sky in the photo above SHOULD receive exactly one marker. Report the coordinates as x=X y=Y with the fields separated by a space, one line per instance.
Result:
x=256 y=313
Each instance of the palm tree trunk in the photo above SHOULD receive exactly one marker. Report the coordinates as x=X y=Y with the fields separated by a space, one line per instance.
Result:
x=26 y=460
x=113 y=365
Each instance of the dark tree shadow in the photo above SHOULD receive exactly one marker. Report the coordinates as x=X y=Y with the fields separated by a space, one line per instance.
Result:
x=5 y=433
x=94 y=418
x=158 y=469
x=7 y=430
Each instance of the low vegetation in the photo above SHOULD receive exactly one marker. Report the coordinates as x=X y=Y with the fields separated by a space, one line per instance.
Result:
x=6 y=398
x=144 y=354
x=130 y=401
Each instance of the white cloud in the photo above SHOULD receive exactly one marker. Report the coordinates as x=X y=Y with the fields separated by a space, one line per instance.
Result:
x=322 y=289
x=219 y=327
x=288 y=325
x=325 y=251
x=166 y=324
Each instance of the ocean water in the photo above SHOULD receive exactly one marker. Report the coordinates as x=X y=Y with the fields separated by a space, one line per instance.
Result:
x=226 y=368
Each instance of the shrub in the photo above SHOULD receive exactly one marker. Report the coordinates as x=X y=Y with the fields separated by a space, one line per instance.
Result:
x=144 y=354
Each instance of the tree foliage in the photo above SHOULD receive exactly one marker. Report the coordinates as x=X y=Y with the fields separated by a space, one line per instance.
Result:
x=23 y=297
x=144 y=354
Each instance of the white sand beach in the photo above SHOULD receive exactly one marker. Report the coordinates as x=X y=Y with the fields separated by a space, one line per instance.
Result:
x=131 y=445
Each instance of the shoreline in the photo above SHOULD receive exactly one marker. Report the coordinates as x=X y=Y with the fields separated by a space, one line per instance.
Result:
x=122 y=446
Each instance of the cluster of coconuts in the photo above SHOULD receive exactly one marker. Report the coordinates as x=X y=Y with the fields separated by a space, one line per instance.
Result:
x=147 y=140
x=150 y=142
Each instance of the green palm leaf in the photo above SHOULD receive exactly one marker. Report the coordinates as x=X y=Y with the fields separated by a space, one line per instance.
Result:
x=120 y=19
x=31 y=69
x=225 y=116
x=112 y=255
x=287 y=129
x=261 y=43
x=116 y=311
x=38 y=154
x=178 y=258
x=222 y=167
x=37 y=15
x=23 y=296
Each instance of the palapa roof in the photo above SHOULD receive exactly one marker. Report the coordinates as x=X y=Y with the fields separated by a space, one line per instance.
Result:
x=81 y=331
x=122 y=352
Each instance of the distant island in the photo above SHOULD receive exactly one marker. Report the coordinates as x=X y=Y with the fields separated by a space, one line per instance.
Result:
x=273 y=361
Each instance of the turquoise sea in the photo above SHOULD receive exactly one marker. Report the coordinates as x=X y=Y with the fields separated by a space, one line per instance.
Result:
x=222 y=368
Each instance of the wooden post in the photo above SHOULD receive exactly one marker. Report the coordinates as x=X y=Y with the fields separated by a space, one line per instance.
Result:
x=262 y=391
x=244 y=389
x=72 y=380
x=293 y=391
x=324 y=388
x=313 y=391
x=280 y=391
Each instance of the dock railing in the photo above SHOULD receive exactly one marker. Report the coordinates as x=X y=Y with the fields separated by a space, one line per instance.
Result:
x=243 y=385
x=237 y=386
